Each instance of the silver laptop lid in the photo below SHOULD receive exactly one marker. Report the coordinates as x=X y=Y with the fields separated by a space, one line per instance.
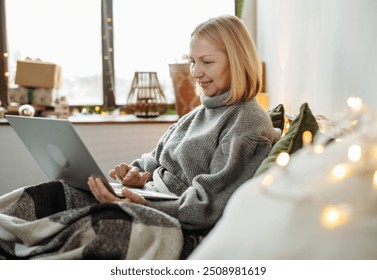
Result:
x=57 y=148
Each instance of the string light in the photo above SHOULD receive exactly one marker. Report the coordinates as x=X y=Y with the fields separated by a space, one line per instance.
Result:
x=339 y=171
x=283 y=159
x=355 y=103
x=354 y=153
x=267 y=180
x=354 y=122
x=286 y=127
x=6 y=55
x=333 y=216
x=375 y=179
x=318 y=149
x=307 y=137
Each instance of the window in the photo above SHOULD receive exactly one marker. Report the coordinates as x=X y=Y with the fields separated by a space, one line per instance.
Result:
x=66 y=32
x=147 y=36
x=150 y=34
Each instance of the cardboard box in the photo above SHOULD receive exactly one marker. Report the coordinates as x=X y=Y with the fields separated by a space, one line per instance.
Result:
x=18 y=95
x=38 y=74
x=62 y=108
x=45 y=97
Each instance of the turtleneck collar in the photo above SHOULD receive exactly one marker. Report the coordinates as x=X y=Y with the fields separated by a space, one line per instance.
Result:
x=211 y=102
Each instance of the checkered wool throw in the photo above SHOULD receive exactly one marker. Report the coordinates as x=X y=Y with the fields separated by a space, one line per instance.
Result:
x=55 y=221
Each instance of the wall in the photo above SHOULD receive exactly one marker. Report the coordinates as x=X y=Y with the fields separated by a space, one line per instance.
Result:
x=317 y=51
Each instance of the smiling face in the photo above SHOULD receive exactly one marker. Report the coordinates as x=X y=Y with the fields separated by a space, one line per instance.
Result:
x=209 y=66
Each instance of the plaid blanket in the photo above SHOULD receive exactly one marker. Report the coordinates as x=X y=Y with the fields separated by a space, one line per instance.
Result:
x=56 y=221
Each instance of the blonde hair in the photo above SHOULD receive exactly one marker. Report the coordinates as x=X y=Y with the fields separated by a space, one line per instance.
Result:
x=229 y=35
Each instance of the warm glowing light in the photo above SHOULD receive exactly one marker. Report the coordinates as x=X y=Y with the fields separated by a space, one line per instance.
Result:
x=97 y=108
x=103 y=113
x=283 y=159
x=267 y=180
x=6 y=74
x=109 y=19
x=318 y=149
x=333 y=216
x=354 y=153
x=307 y=137
x=375 y=179
x=339 y=171
x=355 y=103
x=262 y=99
x=6 y=54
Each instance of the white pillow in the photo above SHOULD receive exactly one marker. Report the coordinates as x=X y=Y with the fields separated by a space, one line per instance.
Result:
x=278 y=215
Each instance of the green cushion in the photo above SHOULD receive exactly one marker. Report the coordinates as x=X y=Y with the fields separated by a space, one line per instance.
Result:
x=292 y=140
x=277 y=116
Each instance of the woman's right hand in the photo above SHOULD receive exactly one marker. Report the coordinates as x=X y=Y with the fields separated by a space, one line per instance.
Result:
x=129 y=175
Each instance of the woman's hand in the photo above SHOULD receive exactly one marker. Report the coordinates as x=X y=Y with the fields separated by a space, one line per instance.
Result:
x=102 y=194
x=129 y=175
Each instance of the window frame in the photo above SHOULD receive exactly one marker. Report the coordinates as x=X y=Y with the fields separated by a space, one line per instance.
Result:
x=3 y=58
x=108 y=73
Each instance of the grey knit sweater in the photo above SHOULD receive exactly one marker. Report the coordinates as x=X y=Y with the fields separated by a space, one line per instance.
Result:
x=206 y=156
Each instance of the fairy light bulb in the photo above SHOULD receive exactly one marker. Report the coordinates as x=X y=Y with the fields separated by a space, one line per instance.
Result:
x=286 y=127
x=354 y=122
x=333 y=216
x=318 y=149
x=339 y=171
x=97 y=108
x=355 y=103
x=267 y=180
x=375 y=179
x=354 y=153
x=307 y=137
x=283 y=159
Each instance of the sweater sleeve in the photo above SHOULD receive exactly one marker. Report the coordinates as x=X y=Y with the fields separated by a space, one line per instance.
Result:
x=149 y=161
x=202 y=204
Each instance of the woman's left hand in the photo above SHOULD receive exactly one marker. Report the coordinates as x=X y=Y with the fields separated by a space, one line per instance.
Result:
x=102 y=194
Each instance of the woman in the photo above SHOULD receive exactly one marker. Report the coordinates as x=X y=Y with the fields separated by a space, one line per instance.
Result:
x=203 y=159
x=212 y=150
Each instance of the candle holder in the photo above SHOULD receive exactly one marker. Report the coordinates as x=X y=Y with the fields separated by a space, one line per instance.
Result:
x=146 y=98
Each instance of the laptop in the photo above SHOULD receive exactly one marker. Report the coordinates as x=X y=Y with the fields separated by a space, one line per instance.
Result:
x=62 y=155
